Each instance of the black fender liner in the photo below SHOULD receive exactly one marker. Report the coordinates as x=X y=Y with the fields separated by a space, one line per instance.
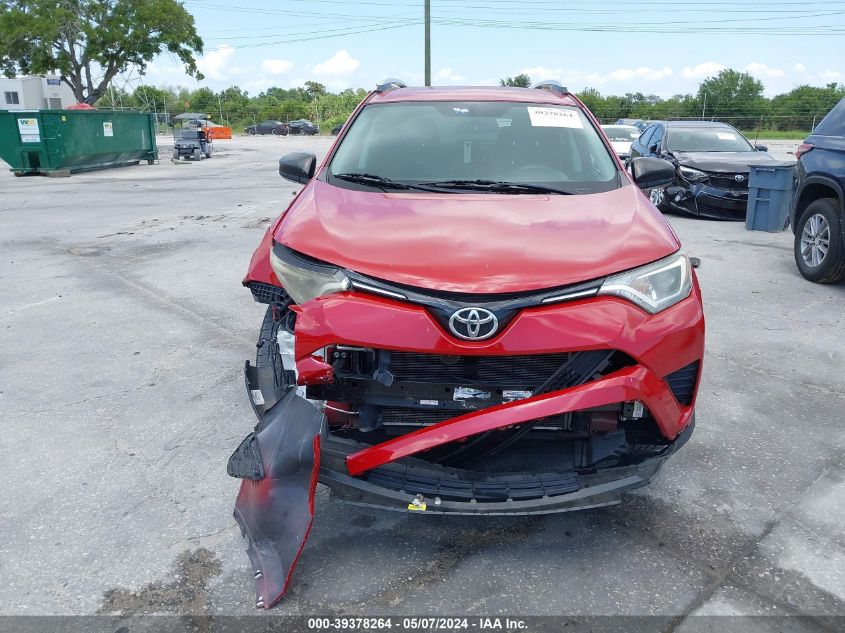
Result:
x=275 y=505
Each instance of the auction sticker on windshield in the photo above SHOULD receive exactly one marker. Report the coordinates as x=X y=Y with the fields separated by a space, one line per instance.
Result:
x=554 y=117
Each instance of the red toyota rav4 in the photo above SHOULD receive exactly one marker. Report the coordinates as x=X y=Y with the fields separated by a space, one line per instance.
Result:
x=472 y=309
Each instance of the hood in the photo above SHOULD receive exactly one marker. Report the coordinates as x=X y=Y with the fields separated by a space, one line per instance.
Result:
x=729 y=162
x=476 y=243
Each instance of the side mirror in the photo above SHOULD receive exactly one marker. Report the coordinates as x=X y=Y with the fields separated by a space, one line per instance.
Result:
x=298 y=167
x=652 y=172
x=762 y=148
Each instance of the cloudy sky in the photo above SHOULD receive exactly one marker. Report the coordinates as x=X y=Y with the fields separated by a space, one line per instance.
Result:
x=656 y=47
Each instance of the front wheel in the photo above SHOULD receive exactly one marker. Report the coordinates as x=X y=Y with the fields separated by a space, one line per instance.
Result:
x=268 y=355
x=275 y=131
x=819 y=248
x=175 y=154
x=251 y=131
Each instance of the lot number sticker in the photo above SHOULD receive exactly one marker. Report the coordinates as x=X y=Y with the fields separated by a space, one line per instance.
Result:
x=554 y=117
x=107 y=129
x=28 y=129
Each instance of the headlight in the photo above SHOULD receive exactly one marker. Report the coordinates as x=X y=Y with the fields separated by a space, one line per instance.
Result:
x=693 y=175
x=304 y=279
x=653 y=287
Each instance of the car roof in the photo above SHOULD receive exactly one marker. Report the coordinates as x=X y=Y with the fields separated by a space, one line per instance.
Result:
x=472 y=93
x=695 y=124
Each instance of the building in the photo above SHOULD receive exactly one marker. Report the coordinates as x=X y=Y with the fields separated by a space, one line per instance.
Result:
x=35 y=93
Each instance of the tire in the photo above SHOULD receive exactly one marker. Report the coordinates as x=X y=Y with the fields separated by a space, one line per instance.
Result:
x=274 y=131
x=267 y=354
x=251 y=131
x=821 y=221
x=197 y=154
x=175 y=154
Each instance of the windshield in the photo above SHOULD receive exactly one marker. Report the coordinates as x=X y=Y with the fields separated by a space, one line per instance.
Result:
x=708 y=139
x=621 y=133
x=469 y=144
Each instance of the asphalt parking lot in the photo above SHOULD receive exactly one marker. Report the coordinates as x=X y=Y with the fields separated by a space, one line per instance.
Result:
x=123 y=331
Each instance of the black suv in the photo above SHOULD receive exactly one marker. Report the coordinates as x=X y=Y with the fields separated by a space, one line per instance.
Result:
x=819 y=204
x=712 y=162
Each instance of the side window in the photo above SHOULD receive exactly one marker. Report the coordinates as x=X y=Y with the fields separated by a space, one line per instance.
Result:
x=12 y=98
x=645 y=136
x=657 y=137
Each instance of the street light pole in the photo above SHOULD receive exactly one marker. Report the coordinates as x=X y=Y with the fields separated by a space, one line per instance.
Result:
x=427 y=42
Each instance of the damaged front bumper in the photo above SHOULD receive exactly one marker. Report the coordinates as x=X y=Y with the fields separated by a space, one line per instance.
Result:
x=566 y=409
x=706 y=201
x=419 y=486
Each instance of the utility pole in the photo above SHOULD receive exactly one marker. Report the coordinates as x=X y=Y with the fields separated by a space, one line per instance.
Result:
x=704 y=107
x=427 y=42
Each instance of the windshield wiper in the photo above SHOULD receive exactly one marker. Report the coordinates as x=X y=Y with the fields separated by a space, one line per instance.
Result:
x=380 y=181
x=497 y=186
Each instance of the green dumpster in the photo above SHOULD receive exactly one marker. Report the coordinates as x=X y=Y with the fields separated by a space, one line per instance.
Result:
x=58 y=142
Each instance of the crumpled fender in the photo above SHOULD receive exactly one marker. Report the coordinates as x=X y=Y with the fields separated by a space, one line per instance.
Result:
x=279 y=464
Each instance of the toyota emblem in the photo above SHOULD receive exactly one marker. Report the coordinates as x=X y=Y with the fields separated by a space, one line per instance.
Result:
x=739 y=178
x=473 y=324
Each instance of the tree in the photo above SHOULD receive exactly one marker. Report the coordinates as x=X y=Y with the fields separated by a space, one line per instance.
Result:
x=90 y=41
x=732 y=94
x=519 y=81
x=314 y=89
x=203 y=100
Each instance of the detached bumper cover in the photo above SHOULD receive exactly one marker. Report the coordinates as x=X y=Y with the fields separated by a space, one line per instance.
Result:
x=275 y=505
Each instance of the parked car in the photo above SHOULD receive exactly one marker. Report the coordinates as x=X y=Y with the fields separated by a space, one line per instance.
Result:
x=818 y=210
x=336 y=129
x=514 y=329
x=637 y=123
x=302 y=126
x=276 y=128
x=621 y=137
x=711 y=167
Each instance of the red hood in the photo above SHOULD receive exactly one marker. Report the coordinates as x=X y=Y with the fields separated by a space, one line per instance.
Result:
x=477 y=243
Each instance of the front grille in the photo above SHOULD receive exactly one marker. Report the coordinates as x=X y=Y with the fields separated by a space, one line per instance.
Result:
x=453 y=488
x=396 y=416
x=268 y=293
x=722 y=207
x=491 y=371
x=726 y=181
x=682 y=382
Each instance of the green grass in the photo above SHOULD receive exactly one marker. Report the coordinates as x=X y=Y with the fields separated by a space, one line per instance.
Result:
x=777 y=135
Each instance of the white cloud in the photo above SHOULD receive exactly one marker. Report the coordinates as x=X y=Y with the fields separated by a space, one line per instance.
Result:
x=800 y=68
x=832 y=75
x=653 y=74
x=212 y=64
x=276 y=66
x=761 y=70
x=700 y=71
x=340 y=63
x=447 y=75
x=622 y=74
x=255 y=86
x=541 y=73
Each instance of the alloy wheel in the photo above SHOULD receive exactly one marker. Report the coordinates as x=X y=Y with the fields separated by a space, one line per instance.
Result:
x=815 y=240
